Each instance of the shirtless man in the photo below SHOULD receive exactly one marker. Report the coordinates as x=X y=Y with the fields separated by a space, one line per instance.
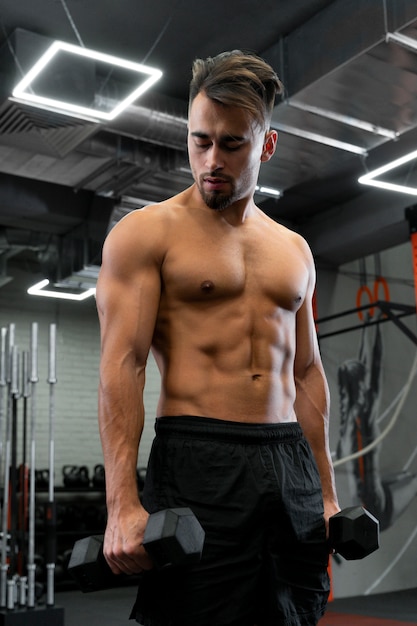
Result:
x=221 y=294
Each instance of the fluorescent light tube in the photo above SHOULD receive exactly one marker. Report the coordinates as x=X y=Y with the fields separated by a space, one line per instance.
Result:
x=38 y=290
x=24 y=93
x=268 y=191
x=370 y=177
x=402 y=40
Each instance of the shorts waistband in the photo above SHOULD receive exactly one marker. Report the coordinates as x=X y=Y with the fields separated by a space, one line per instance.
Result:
x=192 y=426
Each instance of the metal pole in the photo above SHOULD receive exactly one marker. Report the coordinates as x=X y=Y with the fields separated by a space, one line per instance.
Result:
x=31 y=542
x=3 y=415
x=5 y=511
x=14 y=394
x=23 y=472
x=2 y=385
x=50 y=517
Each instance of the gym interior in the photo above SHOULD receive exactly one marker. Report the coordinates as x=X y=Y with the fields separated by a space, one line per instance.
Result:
x=343 y=176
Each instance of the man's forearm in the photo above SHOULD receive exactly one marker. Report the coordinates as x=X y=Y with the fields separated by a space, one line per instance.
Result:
x=121 y=419
x=312 y=408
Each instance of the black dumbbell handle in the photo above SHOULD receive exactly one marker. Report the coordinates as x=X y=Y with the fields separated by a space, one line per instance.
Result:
x=172 y=537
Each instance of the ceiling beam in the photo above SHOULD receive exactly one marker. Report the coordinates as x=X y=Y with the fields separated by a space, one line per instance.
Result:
x=370 y=223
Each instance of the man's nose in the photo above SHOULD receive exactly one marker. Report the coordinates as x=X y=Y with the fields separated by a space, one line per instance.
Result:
x=214 y=159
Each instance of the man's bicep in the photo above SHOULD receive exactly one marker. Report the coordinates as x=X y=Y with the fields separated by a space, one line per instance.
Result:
x=128 y=292
x=306 y=340
x=127 y=315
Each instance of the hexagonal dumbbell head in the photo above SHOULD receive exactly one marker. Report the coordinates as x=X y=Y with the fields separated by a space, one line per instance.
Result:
x=88 y=566
x=354 y=533
x=174 y=537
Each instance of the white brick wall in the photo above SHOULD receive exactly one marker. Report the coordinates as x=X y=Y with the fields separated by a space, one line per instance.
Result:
x=77 y=360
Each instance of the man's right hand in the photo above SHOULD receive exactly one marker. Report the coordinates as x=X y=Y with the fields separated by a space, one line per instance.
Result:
x=123 y=539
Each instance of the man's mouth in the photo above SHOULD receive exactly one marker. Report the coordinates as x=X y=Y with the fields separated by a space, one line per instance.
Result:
x=214 y=183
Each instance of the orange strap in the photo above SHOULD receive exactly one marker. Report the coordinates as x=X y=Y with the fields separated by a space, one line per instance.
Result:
x=329 y=571
x=414 y=251
x=364 y=289
x=381 y=281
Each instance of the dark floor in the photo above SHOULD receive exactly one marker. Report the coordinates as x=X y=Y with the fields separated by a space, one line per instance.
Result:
x=112 y=607
x=397 y=605
x=100 y=608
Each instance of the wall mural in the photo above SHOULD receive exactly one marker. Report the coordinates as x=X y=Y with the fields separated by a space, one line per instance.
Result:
x=359 y=383
x=374 y=449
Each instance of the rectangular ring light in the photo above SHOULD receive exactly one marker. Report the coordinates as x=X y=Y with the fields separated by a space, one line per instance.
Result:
x=402 y=40
x=38 y=290
x=268 y=191
x=370 y=177
x=25 y=91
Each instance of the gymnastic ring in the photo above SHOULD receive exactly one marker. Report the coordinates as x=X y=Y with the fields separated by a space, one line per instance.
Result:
x=381 y=281
x=364 y=289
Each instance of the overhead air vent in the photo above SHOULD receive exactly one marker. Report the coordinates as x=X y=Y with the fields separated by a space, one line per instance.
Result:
x=46 y=132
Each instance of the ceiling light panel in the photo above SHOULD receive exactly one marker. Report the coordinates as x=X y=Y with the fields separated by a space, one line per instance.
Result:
x=268 y=191
x=105 y=84
x=399 y=175
x=402 y=40
x=61 y=291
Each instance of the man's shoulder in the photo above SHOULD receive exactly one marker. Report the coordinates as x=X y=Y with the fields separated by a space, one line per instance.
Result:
x=286 y=241
x=145 y=232
x=156 y=213
x=283 y=230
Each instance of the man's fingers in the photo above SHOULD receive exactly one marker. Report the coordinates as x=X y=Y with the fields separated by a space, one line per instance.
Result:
x=121 y=561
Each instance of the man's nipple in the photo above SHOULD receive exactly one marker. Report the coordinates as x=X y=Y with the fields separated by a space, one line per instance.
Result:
x=207 y=286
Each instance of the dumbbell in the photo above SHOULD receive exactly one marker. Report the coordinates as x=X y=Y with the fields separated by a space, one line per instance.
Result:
x=172 y=537
x=354 y=533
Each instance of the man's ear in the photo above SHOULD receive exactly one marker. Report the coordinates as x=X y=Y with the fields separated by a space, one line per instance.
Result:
x=270 y=144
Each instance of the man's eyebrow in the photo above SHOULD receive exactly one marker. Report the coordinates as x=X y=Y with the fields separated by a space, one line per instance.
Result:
x=199 y=134
x=225 y=138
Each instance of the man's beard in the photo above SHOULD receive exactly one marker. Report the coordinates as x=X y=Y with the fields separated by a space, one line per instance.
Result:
x=217 y=200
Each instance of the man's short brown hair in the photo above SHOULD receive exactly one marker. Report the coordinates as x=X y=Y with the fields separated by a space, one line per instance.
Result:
x=238 y=79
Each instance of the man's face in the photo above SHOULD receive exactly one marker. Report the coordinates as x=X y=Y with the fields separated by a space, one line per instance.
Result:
x=225 y=151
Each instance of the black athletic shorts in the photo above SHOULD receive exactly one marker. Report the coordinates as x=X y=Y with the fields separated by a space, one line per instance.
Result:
x=256 y=491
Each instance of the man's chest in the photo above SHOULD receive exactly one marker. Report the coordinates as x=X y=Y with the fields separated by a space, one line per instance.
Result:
x=215 y=271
